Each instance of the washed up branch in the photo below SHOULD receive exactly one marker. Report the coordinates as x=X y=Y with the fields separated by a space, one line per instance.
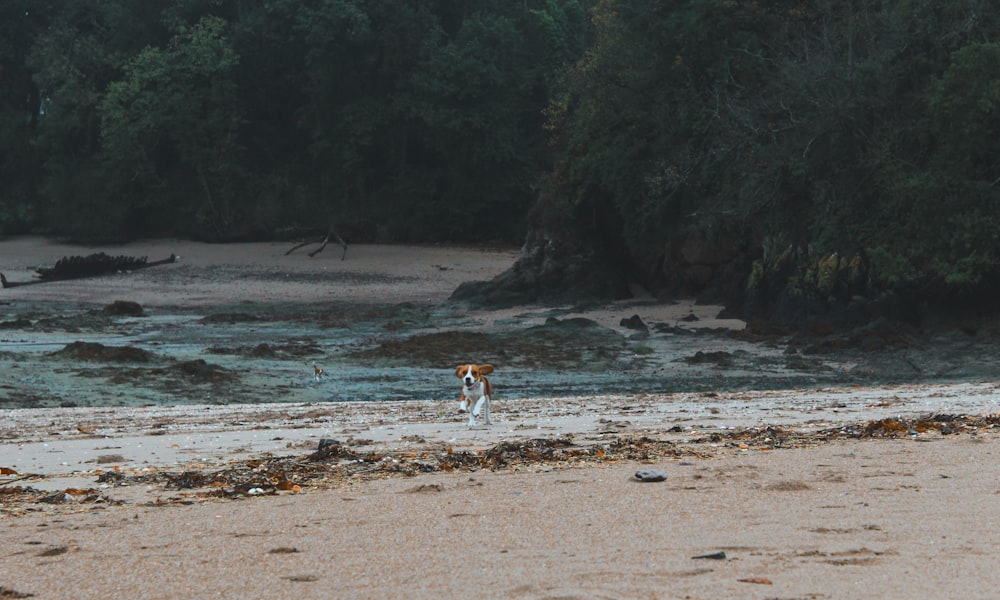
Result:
x=93 y=265
x=332 y=233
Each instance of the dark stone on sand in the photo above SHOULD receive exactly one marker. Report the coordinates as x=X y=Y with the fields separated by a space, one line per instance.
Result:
x=263 y=350
x=19 y=323
x=124 y=308
x=720 y=555
x=634 y=322
x=94 y=351
x=199 y=371
x=719 y=357
x=650 y=475
x=326 y=443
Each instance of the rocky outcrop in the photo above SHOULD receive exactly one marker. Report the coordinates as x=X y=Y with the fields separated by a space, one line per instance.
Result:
x=572 y=253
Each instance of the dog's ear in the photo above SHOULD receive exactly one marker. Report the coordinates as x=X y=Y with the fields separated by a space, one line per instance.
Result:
x=485 y=369
x=460 y=371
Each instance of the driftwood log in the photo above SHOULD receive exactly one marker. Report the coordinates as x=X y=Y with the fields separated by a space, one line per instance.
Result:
x=93 y=265
x=331 y=233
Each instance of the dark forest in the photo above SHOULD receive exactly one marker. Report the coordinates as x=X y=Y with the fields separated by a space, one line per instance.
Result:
x=788 y=156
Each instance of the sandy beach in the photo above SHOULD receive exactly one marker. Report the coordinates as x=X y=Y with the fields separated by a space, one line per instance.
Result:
x=820 y=491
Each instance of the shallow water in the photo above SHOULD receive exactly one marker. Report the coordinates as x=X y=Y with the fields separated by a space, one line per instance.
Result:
x=250 y=354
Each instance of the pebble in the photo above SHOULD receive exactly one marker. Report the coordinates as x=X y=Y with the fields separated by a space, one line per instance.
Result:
x=327 y=442
x=650 y=475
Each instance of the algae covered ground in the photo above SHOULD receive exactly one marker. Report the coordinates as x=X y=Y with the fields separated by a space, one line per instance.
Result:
x=77 y=356
x=246 y=323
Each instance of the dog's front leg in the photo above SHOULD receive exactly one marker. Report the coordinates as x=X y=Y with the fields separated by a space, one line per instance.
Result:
x=465 y=406
x=482 y=407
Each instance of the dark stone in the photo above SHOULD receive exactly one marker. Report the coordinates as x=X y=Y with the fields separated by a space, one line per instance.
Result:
x=19 y=323
x=263 y=350
x=719 y=357
x=94 y=351
x=326 y=443
x=634 y=322
x=650 y=475
x=124 y=308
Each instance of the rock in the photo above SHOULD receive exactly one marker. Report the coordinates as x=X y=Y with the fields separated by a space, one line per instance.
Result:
x=19 y=323
x=263 y=350
x=95 y=351
x=199 y=371
x=124 y=308
x=719 y=357
x=327 y=442
x=634 y=322
x=650 y=475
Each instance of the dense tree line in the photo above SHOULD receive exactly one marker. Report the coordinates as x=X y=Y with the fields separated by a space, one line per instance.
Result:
x=225 y=119
x=798 y=153
x=806 y=151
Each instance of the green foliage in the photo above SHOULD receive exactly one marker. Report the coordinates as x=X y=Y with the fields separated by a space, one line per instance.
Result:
x=964 y=110
x=223 y=118
x=174 y=116
x=19 y=104
x=844 y=128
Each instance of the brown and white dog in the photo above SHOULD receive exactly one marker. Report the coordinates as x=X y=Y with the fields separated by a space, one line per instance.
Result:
x=477 y=391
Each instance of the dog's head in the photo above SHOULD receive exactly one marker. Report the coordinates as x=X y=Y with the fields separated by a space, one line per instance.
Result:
x=470 y=374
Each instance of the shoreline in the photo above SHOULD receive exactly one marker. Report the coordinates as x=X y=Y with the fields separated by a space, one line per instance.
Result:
x=74 y=442
x=830 y=491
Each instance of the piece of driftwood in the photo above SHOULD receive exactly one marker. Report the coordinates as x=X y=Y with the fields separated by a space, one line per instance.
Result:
x=332 y=233
x=93 y=265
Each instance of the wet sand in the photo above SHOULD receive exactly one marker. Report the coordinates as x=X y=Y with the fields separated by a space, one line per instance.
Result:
x=87 y=510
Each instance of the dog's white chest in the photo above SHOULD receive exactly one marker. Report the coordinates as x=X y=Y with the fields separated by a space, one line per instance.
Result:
x=474 y=391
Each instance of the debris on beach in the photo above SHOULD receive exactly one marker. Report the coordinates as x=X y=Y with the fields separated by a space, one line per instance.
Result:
x=336 y=462
x=16 y=500
x=92 y=265
x=331 y=233
x=12 y=593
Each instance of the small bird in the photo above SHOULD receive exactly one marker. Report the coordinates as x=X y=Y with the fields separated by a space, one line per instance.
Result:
x=318 y=372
